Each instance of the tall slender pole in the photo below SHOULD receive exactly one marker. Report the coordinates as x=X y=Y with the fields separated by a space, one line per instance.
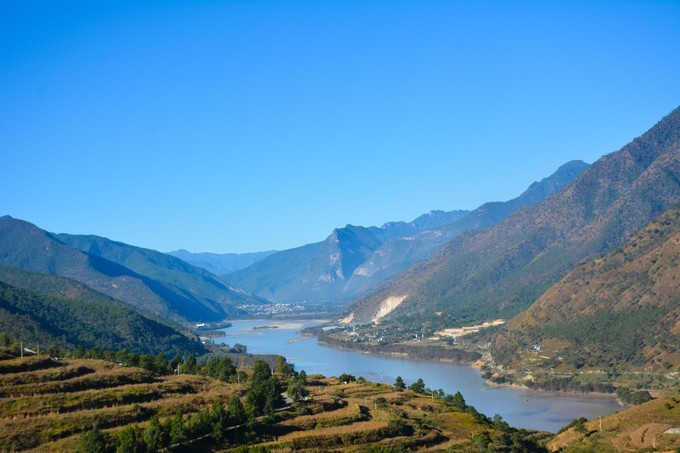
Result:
x=22 y=349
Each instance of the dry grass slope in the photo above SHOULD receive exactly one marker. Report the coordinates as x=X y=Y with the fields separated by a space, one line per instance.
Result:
x=639 y=428
x=46 y=405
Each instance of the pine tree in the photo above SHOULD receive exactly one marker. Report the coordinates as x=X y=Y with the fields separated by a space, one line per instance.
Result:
x=129 y=440
x=93 y=441
x=418 y=386
x=153 y=435
x=220 y=420
x=178 y=432
x=236 y=411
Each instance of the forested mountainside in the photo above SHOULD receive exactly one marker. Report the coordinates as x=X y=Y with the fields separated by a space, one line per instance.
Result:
x=621 y=310
x=172 y=273
x=499 y=271
x=221 y=263
x=354 y=259
x=43 y=309
x=25 y=246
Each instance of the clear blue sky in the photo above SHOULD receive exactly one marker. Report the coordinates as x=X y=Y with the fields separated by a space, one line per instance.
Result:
x=241 y=126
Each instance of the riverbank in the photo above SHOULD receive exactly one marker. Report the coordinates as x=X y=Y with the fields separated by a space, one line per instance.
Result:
x=519 y=407
x=608 y=382
x=563 y=385
x=416 y=353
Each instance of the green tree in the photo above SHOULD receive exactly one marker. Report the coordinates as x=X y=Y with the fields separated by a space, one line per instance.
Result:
x=236 y=411
x=220 y=419
x=399 y=383
x=93 y=441
x=122 y=356
x=129 y=440
x=296 y=388
x=221 y=368
x=499 y=424
x=161 y=365
x=398 y=427
x=261 y=371
x=457 y=402
x=579 y=425
x=284 y=368
x=279 y=367
x=264 y=394
x=176 y=362
x=148 y=362
x=346 y=378
x=482 y=439
x=380 y=402
x=190 y=366
x=418 y=386
x=178 y=432
x=153 y=435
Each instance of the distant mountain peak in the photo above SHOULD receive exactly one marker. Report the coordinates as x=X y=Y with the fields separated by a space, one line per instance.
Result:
x=354 y=259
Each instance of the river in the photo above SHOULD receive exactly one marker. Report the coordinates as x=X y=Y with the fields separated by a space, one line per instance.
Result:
x=521 y=408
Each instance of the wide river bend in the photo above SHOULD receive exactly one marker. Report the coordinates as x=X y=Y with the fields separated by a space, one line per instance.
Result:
x=521 y=408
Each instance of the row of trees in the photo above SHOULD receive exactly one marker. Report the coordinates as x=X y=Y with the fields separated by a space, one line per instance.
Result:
x=456 y=401
x=215 y=422
x=262 y=397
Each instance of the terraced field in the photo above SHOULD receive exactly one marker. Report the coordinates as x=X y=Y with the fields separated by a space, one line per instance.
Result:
x=639 y=428
x=46 y=405
x=361 y=415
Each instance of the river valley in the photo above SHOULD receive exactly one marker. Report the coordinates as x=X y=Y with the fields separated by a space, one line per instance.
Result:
x=520 y=407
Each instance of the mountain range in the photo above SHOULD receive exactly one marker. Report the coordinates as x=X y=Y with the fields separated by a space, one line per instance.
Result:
x=584 y=263
x=354 y=259
x=220 y=263
x=497 y=272
x=146 y=279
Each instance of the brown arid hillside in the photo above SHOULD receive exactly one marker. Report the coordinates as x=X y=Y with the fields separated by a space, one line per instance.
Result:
x=500 y=271
x=621 y=310
x=639 y=428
